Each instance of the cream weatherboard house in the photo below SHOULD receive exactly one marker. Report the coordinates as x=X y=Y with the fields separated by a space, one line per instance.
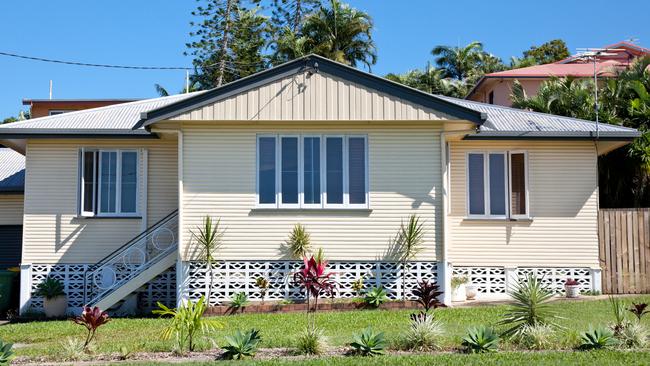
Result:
x=113 y=194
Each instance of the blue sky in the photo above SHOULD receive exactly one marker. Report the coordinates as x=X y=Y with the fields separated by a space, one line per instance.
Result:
x=154 y=32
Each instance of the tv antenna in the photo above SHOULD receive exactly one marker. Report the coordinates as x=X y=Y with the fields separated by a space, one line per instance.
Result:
x=592 y=54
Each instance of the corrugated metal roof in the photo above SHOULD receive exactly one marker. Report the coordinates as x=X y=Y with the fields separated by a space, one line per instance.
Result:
x=12 y=171
x=114 y=117
x=505 y=120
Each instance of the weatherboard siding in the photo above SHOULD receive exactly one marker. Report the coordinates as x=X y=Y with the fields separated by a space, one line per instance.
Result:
x=219 y=179
x=563 y=207
x=11 y=209
x=54 y=234
x=316 y=97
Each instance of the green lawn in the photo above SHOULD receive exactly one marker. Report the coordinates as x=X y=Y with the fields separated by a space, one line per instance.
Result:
x=38 y=339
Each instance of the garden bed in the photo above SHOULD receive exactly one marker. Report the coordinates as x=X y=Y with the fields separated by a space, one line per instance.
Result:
x=302 y=307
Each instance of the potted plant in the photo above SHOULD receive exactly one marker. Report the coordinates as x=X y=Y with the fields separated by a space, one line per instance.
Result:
x=471 y=290
x=55 y=303
x=572 y=288
x=458 y=288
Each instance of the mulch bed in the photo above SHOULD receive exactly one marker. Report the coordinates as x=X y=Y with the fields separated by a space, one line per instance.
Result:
x=302 y=307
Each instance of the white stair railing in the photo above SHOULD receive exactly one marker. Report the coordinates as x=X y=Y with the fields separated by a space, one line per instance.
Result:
x=133 y=258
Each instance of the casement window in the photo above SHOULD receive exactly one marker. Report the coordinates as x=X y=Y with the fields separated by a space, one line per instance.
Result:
x=312 y=171
x=497 y=184
x=108 y=182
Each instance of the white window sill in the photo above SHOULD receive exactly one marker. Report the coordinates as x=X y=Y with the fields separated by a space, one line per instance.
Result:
x=315 y=209
x=498 y=219
x=78 y=217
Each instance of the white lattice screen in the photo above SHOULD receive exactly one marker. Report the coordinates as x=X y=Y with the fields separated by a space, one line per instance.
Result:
x=162 y=288
x=555 y=277
x=239 y=276
x=490 y=280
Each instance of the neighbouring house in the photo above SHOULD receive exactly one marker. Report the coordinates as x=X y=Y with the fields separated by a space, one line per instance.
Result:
x=49 y=107
x=496 y=87
x=114 y=194
x=12 y=181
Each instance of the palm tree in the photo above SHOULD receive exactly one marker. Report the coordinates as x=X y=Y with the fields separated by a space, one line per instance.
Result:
x=338 y=32
x=458 y=62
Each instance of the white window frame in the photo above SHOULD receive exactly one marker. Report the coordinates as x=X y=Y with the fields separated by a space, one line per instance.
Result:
x=486 y=184
x=56 y=112
x=97 y=187
x=323 y=173
x=82 y=184
x=526 y=215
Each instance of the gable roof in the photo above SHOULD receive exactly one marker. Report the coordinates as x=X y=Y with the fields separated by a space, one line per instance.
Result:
x=315 y=64
x=512 y=123
x=12 y=171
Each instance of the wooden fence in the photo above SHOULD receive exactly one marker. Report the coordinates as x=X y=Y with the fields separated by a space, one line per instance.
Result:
x=624 y=236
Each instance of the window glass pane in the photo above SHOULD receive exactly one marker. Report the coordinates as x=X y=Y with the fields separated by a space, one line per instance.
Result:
x=334 y=169
x=129 y=184
x=88 y=181
x=289 y=170
x=266 y=161
x=357 y=168
x=108 y=182
x=476 y=187
x=518 y=177
x=312 y=170
x=496 y=175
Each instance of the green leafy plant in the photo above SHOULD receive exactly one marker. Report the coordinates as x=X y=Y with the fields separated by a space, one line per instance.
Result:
x=263 y=284
x=530 y=306
x=620 y=321
x=358 y=285
x=639 y=310
x=286 y=302
x=299 y=243
x=536 y=337
x=375 y=297
x=50 y=288
x=91 y=319
x=6 y=353
x=406 y=245
x=634 y=336
x=72 y=349
x=209 y=238
x=238 y=302
x=311 y=342
x=242 y=344
x=187 y=323
x=423 y=335
x=597 y=338
x=456 y=281
x=369 y=343
x=481 y=339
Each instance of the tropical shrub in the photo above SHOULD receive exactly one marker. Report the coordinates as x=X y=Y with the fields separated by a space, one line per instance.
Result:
x=597 y=338
x=620 y=321
x=530 y=306
x=634 y=336
x=50 y=288
x=426 y=294
x=187 y=323
x=481 y=339
x=209 y=239
x=536 y=337
x=369 y=343
x=456 y=281
x=238 y=302
x=407 y=244
x=375 y=297
x=299 y=243
x=311 y=342
x=262 y=284
x=358 y=285
x=424 y=334
x=639 y=310
x=242 y=344
x=92 y=319
x=6 y=353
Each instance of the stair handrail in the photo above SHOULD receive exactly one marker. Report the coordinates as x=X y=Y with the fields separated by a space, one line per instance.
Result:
x=135 y=240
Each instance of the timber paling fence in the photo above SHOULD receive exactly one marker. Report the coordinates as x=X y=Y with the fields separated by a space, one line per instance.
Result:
x=624 y=244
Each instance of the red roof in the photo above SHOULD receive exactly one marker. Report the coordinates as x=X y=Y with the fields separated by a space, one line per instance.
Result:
x=605 y=68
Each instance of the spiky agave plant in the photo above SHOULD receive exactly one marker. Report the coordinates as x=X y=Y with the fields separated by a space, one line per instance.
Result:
x=530 y=307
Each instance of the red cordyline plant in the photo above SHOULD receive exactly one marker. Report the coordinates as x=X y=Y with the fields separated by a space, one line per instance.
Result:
x=91 y=318
x=571 y=282
x=315 y=280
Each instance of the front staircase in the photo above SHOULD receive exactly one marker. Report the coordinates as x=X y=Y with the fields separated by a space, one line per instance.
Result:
x=133 y=265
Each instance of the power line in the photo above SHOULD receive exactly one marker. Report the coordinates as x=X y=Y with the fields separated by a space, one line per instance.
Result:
x=75 y=63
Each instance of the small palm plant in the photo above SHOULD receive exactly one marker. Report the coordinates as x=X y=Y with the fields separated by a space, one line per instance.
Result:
x=209 y=238
x=406 y=245
x=530 y=306
x=242 y=344
x=299 y=243
x=187 y=323
x=369 y=343
x=480 y=340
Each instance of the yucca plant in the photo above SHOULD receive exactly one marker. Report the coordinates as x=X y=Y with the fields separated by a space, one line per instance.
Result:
x=369 y=343
x=481 y=339
x=209 y=239
x=406 y=245
x=187 y=323
x=91 y=319
x=6 y=353
x=299 y=243
x=375 y=297
x=597 y=338
x=311 y=342
x=530 y=307
x=242 y=344
x=620 y=321
x=423 y=335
